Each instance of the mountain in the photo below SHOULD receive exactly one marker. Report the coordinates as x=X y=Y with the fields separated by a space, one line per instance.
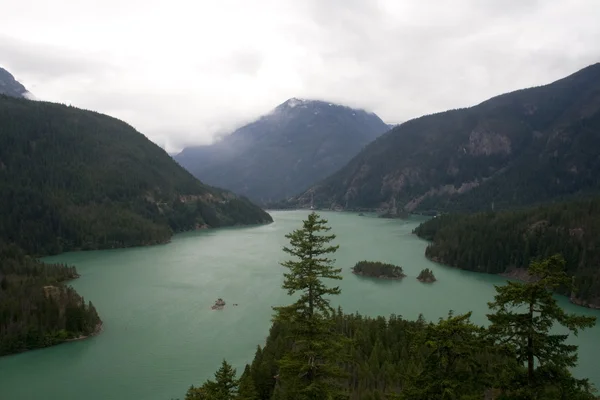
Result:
x=10 y=86
x=75 y=180
x=515 y=149
x=282 y=153
x=508 y=241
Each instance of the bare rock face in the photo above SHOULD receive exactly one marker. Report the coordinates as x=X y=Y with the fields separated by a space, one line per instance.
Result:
x=484 y=142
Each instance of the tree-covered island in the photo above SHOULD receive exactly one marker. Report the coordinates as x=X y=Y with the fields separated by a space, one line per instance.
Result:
x=426 y=276
x=378 y=269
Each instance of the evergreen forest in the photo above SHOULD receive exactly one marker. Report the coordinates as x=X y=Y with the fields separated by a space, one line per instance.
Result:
x=508 y=241
x=378 y=269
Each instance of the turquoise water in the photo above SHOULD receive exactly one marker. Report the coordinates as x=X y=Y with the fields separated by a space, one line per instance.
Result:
x=160 y=335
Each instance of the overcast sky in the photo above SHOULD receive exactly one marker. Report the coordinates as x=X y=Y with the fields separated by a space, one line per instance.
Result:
x=183 y=71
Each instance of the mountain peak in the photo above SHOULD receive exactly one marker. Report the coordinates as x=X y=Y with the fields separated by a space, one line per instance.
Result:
x=285 y=151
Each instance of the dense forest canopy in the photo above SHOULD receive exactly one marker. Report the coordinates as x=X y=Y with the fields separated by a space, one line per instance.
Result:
x=77 y=179
x=520 y=148
x=36 y=309
x=497 y=242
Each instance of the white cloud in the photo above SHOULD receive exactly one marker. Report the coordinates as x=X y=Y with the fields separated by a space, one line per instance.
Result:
x=184 y=71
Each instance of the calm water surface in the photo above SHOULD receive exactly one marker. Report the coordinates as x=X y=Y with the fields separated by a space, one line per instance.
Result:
x=160 y=334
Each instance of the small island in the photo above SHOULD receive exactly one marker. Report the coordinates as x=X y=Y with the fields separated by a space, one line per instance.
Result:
x=426 y=276
x=378 y=269
x=219 y=304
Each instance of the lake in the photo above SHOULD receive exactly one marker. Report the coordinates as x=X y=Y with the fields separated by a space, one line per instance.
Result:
x=160 y=334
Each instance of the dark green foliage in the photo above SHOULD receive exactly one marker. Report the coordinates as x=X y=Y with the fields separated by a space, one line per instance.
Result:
x=497 y=242
x=75 y=179
x=388 y=356
x=519 y=148
x=378 y=270
x=310 y=370
x=247 y=390
x=224 y=386
x=426 y=275
x=285 y=151
x=454 y=367
x=523 y=315
x=36 y=309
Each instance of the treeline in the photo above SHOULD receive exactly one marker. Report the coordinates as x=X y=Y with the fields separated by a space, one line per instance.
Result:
x=36 y=308
x=378 y=269
x=316 y=352
x=495 y=242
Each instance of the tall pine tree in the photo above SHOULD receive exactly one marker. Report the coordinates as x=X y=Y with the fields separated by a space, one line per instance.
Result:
x=224 y=387
x=524 y=315
x=311 y=369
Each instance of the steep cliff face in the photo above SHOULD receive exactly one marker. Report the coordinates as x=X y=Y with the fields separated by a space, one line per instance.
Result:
x=284 y=152
x=518 y=148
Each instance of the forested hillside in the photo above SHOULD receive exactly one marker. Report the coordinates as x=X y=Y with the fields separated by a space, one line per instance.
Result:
x=285 y=151
x=520 y=148
x=36 y=309
x=497 y=242
x=73 y=179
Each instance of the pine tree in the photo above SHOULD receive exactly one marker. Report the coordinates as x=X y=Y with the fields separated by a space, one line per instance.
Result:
x=453 y=367
x=247 y=389
x=310 y=370
x=524 y=315
x=224 y=387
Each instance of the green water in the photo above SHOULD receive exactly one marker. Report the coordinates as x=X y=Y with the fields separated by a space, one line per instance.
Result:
x=160 y=334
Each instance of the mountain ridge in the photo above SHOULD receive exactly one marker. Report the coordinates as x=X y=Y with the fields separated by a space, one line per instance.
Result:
x=502 y=152
x=294 y=145
x=11 y=87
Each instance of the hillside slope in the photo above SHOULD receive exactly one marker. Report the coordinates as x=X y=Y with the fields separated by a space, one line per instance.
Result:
x=284 y=152
x=519 y=148
x=497 y=242
x=75 y=179
x=10 y=86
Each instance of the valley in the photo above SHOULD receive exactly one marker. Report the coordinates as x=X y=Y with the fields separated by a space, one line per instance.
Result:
x=160 y=335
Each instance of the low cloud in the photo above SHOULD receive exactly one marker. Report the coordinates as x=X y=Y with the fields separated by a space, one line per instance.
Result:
x=183 y=73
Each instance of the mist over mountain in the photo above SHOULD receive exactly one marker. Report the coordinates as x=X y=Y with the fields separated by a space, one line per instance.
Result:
x=282 y=153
